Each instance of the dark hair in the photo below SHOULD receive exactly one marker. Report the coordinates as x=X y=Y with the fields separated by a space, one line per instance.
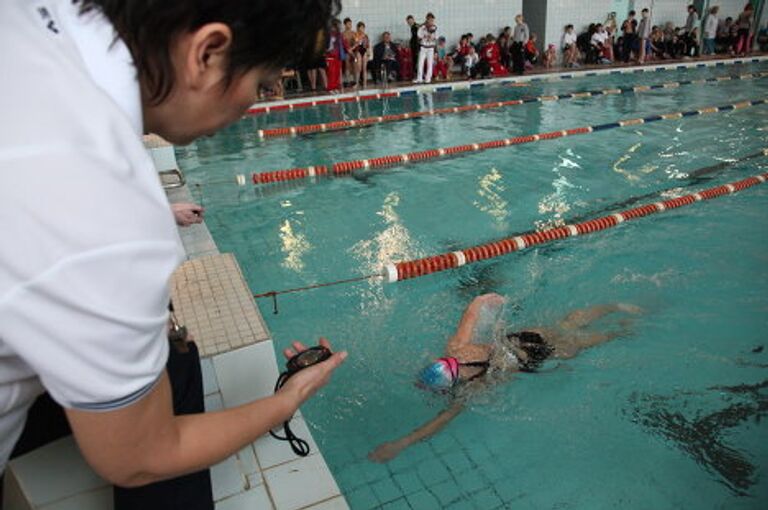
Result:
x=568 y=26
x=360 y=24
x=646 y=10
x=632 y=13
x=264 y=33
x=429 y=15
x=535 y=348
x=347 y=20
x=410 y=16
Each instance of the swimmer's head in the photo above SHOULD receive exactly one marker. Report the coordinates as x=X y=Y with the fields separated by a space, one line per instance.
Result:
x=440 y=375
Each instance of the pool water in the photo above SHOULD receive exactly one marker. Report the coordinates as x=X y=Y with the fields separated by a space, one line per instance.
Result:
x=670 y=416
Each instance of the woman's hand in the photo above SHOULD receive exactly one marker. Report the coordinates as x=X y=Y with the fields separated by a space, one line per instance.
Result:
x=187 y=214
x=305 y=383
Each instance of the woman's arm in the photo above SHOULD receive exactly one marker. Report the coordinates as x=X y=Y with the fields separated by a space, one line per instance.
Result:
x=391 y=449
x=465 y=330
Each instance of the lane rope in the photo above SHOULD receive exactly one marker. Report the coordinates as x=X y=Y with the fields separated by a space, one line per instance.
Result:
x=348 y=167
x=411 y=269
x=467 y=85
x=398 y=271
x=342 y=125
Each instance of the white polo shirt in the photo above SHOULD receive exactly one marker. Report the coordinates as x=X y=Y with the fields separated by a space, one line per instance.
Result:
x=87 y=239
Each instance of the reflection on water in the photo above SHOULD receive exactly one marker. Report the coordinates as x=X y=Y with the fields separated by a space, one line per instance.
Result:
x=393 y=243
x=295 y=246
x=490 y=189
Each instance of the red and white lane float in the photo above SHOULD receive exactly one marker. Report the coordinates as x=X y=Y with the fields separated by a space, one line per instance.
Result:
x=347 y=167
x=398 y=271
x=369 y=121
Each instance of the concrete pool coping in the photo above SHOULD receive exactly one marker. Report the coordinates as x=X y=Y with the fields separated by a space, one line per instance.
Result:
x=409 y=90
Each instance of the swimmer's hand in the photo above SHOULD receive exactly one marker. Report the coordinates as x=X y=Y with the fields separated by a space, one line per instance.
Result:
x=305 y=383
x=386 y=452
x=187 y=214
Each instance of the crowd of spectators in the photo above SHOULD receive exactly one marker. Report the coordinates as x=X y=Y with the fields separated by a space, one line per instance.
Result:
x=351 y=56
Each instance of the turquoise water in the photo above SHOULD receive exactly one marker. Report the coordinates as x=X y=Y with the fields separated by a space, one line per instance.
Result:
x=667 y=417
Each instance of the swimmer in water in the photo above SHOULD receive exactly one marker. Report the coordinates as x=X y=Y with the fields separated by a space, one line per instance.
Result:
x=465 y=368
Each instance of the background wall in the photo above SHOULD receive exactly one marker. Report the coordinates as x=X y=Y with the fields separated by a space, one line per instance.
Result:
x=454 y=17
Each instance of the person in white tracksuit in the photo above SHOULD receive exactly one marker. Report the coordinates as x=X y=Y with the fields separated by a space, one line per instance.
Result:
x=428 y=40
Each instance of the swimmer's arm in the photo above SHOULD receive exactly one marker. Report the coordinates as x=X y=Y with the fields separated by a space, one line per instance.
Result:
x=464 y=332
x=391 y=449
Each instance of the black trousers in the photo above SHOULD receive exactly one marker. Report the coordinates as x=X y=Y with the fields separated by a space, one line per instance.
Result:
x=47 y=422
x=518 y=58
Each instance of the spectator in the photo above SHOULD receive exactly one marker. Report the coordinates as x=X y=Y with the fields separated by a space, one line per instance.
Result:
x=691 y=23
x=762 y=38
x=610 y=24
x=470 y=62
x=385 y=64
x=610 y=41
x=462 y=50
x=532 y=51
x=550 y=56
x=725 y=36
x=443 y=60
x=570 y=51
x=644 y=34
x=360 y=47
x=335 y=56
x=520 y=37
x=598 y=41
x=471 y=40
x=584 y=43
x=657 y=43
x=690 y=41
x=427 y=40
x=744 y=27
x=490 y=58
x=414 y=41
x=318 y=69
x=710 y=31
x=351 y=61
x=505 y=46
x=629 y=33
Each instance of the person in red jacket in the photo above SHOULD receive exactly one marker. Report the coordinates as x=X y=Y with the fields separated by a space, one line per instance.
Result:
x=492 y=55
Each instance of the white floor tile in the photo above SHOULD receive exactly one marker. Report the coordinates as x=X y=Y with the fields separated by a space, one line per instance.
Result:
x=272 y=452
x=246 y=374
x=210 y=384
x=226 y=478
x=254 y=499
x=100 y=499
x=213 y=402
x=247 y=458
x=338 y=503
x=53 y=472
x=301 y=483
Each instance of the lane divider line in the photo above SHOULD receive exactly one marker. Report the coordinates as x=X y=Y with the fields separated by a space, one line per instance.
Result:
x=347 y=167
x=398 y=271
x=309 y=129
x=296 y=104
